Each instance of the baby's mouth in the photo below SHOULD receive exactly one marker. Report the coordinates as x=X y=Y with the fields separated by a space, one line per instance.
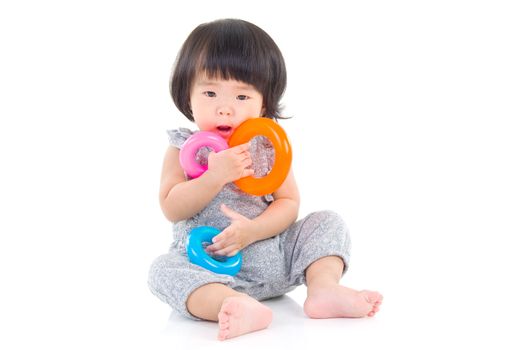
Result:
x=224 y=130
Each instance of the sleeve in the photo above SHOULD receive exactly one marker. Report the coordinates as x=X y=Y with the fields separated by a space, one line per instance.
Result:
x=178 y=136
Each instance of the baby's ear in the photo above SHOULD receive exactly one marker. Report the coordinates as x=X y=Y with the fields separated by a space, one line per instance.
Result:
x=263 y=111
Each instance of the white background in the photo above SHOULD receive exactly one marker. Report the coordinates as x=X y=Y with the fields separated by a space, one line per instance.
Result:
x=409 y=119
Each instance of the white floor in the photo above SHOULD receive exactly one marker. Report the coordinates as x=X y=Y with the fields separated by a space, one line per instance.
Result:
x=406 y=320
x=290 y=328
x=124 y=315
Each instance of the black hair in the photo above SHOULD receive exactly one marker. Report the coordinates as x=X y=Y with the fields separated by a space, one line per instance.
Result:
x=230 y=49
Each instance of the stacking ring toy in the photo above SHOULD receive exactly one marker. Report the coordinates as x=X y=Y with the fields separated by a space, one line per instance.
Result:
x=191 y=146
x=283 y=155
x=198 y=256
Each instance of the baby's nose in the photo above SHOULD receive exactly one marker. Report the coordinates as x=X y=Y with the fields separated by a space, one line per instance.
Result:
x=225 y=111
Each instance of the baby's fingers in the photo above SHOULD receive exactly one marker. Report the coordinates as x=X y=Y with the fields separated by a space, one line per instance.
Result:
x=213 y=247
x=218 y=242
x=247 y=172
x=227 y=251
x=246 y=162
x=241 y=148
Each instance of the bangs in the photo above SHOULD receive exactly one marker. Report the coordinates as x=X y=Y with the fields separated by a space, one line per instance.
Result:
x=233 y=56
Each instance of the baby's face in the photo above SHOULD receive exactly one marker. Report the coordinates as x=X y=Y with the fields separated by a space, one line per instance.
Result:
x=221 y=106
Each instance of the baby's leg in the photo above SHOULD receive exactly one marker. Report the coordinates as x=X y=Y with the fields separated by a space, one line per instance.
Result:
x=236 y=313
x=319 y=246
x=327 y=299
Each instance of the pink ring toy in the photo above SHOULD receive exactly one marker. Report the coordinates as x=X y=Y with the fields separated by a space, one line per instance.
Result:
x=191 y=146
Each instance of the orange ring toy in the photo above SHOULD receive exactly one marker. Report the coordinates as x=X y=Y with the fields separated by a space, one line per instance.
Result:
x=283 y=155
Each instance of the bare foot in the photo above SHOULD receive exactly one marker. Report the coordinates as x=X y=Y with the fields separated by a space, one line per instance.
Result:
x=340 y=301
x=240 y=315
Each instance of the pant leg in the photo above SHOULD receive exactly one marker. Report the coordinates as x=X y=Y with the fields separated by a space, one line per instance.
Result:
x=270 y=272
x=172 y=278
x=318 y=235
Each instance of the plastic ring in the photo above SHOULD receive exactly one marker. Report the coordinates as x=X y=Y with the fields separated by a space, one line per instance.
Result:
x=191 y=146
x=197 y=255
x=283 y=155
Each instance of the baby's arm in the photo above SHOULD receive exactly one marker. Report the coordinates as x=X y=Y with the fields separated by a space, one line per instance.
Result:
x=281 y=213
x=243 y=231
x=181 y=199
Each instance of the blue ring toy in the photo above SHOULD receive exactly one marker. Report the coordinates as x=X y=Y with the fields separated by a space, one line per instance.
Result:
x=198 y=256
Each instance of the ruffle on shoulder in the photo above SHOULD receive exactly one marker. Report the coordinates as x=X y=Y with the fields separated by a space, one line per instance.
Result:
x=178 y=136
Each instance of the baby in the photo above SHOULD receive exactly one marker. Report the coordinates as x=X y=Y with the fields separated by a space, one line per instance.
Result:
x=229 y=71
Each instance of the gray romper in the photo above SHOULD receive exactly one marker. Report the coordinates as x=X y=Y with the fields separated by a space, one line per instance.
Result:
x=270 y=267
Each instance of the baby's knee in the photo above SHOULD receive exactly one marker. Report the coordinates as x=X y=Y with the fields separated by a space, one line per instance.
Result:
x=157 y=271
x=331 y=225
x=328 y=218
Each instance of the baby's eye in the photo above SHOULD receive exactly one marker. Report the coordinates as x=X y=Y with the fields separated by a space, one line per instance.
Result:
x=209 y=93
x=242 y=97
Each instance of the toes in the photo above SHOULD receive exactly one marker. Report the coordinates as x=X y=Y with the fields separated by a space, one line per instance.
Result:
x=223 y=325
x=223 y=332
x=375 y=308
x=371 y=297
x=222 y=335
x=375 y=298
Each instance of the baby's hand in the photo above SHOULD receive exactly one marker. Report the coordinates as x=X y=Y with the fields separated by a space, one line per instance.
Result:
x=231 y=164
x=235 y=237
